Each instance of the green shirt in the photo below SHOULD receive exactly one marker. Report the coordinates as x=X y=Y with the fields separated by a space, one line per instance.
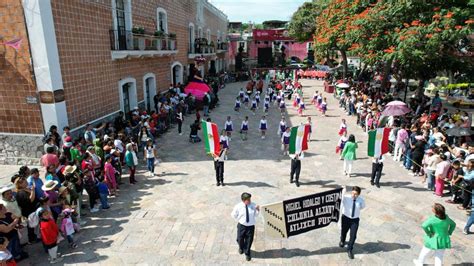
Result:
x=349 y=152
x=76 y=155
x=438 y=232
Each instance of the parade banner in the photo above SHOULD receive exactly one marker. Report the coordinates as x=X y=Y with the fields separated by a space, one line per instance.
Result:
x=211 y=137
x=298 y=139
x=296 y=216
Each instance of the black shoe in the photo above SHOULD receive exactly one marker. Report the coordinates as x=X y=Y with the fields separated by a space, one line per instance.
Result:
x=241 y=251
x=248 y=258
x=218 y=184
x=291 y=181
x=297 y=184
x=372 y=183
x=222 y=184
x=377 y=185
x=341 y=244
x=350 y=254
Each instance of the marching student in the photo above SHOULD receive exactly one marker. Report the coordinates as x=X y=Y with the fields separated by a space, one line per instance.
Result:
x=314 y=100
x=296 y=102
x=349 y=154
x=310 y=125
x=285 y=140
x=282 y=127
x=377 y=166
x=319 y=101
x=257 y=98
x=324 y=106
x=301 y=108
x=295 y=168
x=263 y=126
x=244 y=128
x=219 y=166
x=254 y=105
x=282 y=105
x=237 y=104
x=224 y=140
x=266 y=104
x=351 y=207
x=241 y=94
x=245 y=213
x=278 y=98
x=342 y=127
x=246 y=100
x=229 y=127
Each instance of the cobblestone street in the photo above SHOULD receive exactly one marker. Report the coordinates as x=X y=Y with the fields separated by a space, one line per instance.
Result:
x=182 y=217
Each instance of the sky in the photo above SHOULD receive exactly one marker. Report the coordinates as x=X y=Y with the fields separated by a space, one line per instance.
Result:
x=257 y=10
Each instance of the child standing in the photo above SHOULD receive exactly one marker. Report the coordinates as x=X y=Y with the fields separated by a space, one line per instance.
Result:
x=263 y=126
x=320 y=101
x=179 y=120
x=131 y=161
x=315 y=98
x=229 y=127
x=224 y=142
x=301 y=108
x=244 y=128
x=237 y=104
x=324 y=106
x=278 y=98
x=49 y=235
x=342 y=127
x=103 y=194
x=241 y=94
x=254 y=105
x=150 y=157
x=257 y=98
x=67 y=227
x=109 y=172
x=282 y=105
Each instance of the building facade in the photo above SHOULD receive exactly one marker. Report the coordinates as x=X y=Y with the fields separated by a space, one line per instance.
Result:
x=83 y=61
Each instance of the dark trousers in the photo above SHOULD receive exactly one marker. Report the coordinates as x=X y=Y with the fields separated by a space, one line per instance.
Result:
x=295 y=169
x=349 y=224
x=376 y=172
x=467 y=198
x=245 y=237
x=219 y=167
x=180 y=124
x=132 y=174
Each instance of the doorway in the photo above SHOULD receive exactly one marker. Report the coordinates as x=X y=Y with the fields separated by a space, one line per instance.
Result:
x=126 y=98
x=176 y=73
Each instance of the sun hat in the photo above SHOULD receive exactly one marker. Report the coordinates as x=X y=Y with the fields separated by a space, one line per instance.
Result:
x=6 y=188
x=62 y=190
x=49 y=185
x=70 y=169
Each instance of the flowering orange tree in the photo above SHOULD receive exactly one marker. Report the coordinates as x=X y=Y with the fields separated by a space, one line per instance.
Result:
x=421 y=37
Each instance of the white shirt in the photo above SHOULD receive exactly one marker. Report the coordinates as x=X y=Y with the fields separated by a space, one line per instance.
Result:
x=347 y=206
x=379 y=159
x=239 y=213
x=119 y=145
x=150 y=152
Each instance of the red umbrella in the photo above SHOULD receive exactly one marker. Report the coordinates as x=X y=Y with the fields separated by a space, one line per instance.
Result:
x=396 y=108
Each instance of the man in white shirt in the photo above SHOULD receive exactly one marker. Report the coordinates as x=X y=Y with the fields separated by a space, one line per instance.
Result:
x=245 y=213
x=351 y=207
x=377 y=166
x=219 y=166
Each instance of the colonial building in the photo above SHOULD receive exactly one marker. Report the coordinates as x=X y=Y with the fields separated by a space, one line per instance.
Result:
x=83 y=61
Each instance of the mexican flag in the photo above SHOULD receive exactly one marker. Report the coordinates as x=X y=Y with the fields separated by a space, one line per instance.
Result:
x=299 y=139
x=378 y=142
x=211 y=137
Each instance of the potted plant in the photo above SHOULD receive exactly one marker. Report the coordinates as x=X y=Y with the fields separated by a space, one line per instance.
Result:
x=138 y=38
x=159 y=33
x=172 y=41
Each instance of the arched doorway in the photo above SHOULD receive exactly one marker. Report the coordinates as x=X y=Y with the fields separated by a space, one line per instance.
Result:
x=128 y=94
x=176 y=73
x=149 y=90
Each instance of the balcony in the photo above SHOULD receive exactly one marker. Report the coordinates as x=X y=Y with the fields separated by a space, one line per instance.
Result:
x=201 y=48
x=221 y=47
x=128 y=44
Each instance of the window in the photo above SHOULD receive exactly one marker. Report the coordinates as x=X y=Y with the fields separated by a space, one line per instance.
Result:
x=208 y=35
x=161 y=20
x=191 y=38
x=122 y=23
x=199 y=32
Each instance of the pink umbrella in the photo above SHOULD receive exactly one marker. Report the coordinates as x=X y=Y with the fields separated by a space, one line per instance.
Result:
x=198 y=89
x=396 y=108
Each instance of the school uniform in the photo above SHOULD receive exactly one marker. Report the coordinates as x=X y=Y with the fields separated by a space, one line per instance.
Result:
x=245 y=215
x=244 y=126
x=257 y=98
x=266 y=104
x=254 y=104
x=295 y=170
x=237 y=105
x=263 y=124
x=282 y=105
x=377 y=166
x=246 y=98
x=229 y=126
x=350 y=220
x=282 y=127
x=224 y=141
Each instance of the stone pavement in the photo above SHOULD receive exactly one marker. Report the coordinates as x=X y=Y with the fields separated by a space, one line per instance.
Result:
x=182 y=218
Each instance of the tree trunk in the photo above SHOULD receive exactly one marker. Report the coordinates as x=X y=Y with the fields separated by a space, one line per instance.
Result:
x=345 y=69
x=420 y=91
x=328 y=59
x=386 y=72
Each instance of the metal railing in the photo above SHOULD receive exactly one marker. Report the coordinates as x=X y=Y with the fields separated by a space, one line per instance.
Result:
x=123 y=40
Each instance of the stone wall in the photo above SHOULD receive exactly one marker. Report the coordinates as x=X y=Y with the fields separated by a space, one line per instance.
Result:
x=20 y=149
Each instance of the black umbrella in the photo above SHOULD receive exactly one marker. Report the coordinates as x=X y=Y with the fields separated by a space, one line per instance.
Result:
x=459 y=132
